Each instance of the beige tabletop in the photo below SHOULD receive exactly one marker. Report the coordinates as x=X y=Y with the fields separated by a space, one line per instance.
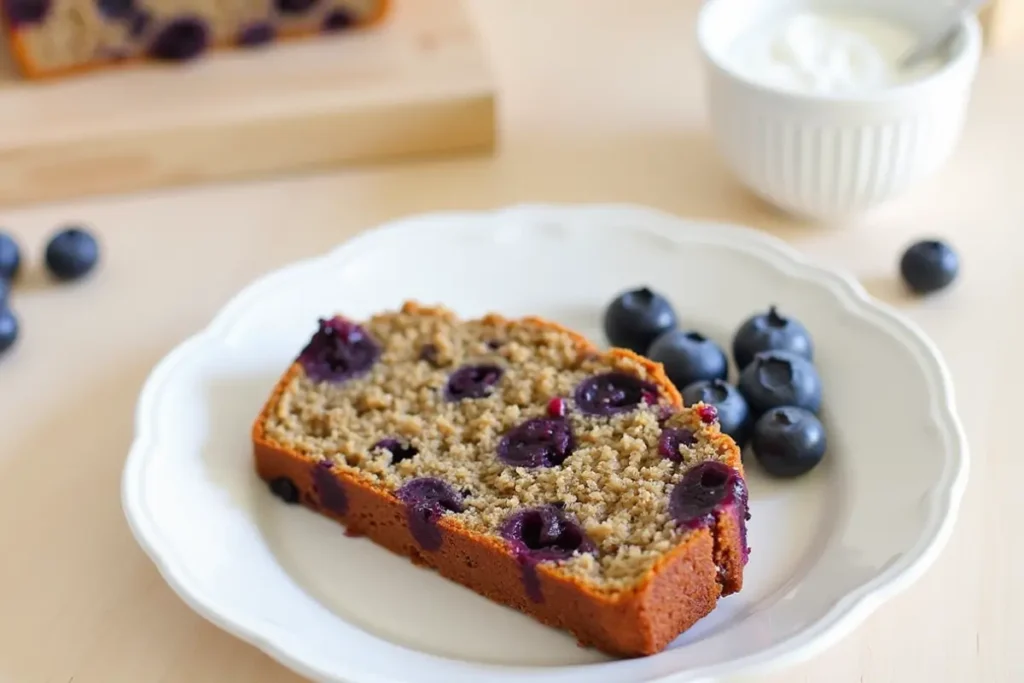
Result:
x=600 y=101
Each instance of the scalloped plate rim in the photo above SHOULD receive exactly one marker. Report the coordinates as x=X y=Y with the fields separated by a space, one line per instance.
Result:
x=840 y=620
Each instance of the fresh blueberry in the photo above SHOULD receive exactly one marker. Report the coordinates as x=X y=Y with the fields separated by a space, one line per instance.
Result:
x=72 y=253
x=636 y=318
x=545 y=533
x=703 y=490
x=8 y=328
x=540 y=442
x=733 y=412
x=5 y=292
x=778 y=378
x=688 y=357
x=613 y=392
x=770 y=331
x=10 y=257
x=180 y=40
x=473 y=381
x=788 y=441
x=928 y=266
x=340 y=350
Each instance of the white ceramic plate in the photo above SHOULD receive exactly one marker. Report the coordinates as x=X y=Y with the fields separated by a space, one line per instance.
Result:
x=827 y=549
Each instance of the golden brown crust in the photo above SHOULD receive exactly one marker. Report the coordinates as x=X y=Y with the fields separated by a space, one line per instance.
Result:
x=683 y=587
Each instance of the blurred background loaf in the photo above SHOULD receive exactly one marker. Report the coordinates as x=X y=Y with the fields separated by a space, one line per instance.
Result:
x=56 y=37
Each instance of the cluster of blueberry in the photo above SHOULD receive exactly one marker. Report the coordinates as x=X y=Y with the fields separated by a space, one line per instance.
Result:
x=774 y=404
x=70 y=254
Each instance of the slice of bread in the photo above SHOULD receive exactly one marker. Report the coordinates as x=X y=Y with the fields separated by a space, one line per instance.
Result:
x=515 y=458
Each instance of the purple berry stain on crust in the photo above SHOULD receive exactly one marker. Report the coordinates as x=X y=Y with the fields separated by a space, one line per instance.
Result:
x=399 y=451
x=20 y=12
x=613 y=392
x=180 y=40
x=338 y=20
x=328 y=488
x=672 y=439
x=426 y=500
x=256 y=34
x=540 y=442
x=472 y=381
x=339 y=350
x=706 y=490
x=542 y=534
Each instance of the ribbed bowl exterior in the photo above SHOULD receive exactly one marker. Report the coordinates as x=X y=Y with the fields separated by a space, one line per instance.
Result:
x=828 y=158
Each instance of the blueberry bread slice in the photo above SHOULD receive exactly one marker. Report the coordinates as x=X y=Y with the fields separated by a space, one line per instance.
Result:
x=515 y=458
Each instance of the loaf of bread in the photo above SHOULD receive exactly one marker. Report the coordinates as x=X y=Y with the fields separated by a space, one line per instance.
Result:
x=56 y=37
x=515 y=458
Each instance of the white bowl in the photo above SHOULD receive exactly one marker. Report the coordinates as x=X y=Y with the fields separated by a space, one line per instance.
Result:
x=833 y=156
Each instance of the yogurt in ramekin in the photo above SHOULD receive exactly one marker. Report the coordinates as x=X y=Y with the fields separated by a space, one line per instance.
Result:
x=810 y=109
x=829 y=53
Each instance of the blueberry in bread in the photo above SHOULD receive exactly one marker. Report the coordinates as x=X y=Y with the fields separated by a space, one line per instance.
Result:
x=57 y=37
x=516 y=459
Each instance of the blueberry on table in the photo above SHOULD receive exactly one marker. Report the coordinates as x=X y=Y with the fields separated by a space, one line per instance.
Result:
x=928 y=266
x=788 y=441
x=778 y=378
x=688 y=357
x=770 y=331
x=636 y=318
x=8 y=328
x=72 y=253
x=10 y=257
x=5 y=292
x=733 y=412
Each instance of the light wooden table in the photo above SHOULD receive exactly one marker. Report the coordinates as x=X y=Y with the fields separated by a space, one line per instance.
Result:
x=599 y=103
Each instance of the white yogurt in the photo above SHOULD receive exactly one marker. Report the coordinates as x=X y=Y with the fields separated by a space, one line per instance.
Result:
x=828 y=53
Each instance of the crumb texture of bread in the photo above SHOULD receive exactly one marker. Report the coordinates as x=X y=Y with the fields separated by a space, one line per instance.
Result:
x=54 y=37
x=615 y=481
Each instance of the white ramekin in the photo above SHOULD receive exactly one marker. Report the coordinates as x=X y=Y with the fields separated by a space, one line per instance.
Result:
x=832 y=157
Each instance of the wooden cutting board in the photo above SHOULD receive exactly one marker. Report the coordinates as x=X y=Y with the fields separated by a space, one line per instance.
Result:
x=417 y=84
